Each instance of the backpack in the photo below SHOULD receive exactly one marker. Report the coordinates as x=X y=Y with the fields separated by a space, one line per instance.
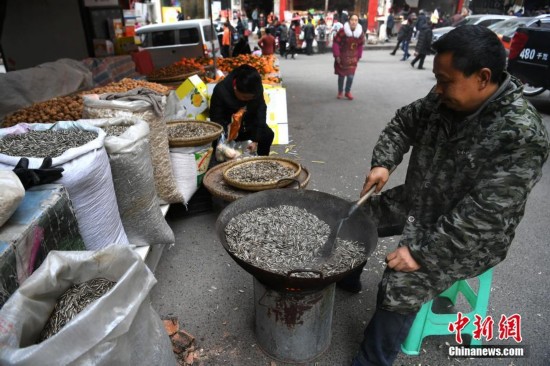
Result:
x=322 y=33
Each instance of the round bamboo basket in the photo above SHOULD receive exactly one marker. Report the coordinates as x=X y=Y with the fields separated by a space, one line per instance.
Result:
x=260 y=186
x=193 y=141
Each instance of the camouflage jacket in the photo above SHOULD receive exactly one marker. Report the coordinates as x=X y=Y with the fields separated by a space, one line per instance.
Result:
x=466 y=187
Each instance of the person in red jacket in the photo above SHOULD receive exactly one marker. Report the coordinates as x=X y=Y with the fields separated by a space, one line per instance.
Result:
x=347 y=49
x=267 y=43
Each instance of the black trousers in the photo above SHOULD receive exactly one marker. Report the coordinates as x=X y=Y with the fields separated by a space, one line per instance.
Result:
x=387 y=330
x=265 y=139
x=420 y=58
x=225 y=51
x=322 y=46
x=309 y=46
x=282 y=47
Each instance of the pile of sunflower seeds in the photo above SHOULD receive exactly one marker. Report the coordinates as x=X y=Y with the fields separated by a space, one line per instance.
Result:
x=115 y=130
x=41 y=144
x=260 y=172
x=189 y=130
x=284 y=238
x=72 y=302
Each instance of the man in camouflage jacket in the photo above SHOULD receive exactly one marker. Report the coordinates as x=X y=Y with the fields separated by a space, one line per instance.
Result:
x=478 y=148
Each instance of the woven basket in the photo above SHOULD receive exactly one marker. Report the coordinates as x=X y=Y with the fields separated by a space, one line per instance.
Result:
x=260 y=186
x=194 y=141
x=181 y=77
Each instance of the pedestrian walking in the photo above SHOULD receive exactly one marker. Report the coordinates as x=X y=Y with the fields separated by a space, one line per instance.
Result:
x=226 y=40
x=255 y=20
x=292 y=41
x=473 y=137
x=309 y=36
x=283 y=38
x=389 y=25
x=409 y=28
x=267 y=43
x=423 y=45
x=404 y=34
x=347 y=50
x=321 y=36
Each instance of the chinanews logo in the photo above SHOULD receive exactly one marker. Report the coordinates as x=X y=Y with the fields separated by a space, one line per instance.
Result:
x=509 y=327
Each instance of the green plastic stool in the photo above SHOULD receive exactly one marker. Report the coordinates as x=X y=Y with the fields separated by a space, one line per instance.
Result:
x=427 y=323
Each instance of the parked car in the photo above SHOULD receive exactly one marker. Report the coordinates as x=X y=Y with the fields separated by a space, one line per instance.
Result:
x=529 y=59
x=506 y=30
x=169 y=42
x=481 y=19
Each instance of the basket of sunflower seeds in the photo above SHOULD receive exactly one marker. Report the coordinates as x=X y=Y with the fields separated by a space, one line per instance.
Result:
x=262 y=172
x=184 y=133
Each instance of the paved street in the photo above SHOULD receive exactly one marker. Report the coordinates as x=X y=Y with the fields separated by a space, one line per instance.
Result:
x=213 y=297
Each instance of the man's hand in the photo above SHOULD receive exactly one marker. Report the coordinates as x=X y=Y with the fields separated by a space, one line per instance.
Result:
x=252 y=147
x=378 y=176
x=401 y=260
x=338 y=60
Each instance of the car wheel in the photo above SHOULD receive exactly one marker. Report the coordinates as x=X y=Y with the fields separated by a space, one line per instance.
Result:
x=531 y=91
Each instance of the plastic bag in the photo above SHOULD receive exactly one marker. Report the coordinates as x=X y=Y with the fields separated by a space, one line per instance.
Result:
x=229 y=150
x=134 y=182
x=119 y=328
x=235 y=125
x=158 y=137
x=189 y=165
x=11 y=194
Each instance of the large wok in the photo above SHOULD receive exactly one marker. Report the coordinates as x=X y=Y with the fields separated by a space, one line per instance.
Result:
x=326 y=207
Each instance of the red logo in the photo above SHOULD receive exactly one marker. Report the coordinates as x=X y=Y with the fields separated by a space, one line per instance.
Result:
x=508 y=327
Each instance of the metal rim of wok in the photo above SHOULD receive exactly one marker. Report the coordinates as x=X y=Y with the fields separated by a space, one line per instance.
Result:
x=194 y=141
x=326 y=207
x=260 y=186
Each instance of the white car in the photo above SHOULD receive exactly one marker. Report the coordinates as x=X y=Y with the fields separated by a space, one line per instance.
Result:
x=481 y=19
x=169 y=42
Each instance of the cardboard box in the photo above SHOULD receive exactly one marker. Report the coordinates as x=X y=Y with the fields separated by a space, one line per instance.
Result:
x=118 y=28
x=103 y=48
x=193 y=98
x=277 y=116
x=125 y=46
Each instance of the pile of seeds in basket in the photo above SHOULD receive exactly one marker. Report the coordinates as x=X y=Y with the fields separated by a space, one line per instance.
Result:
x=284 y=238
x=259 y=172
x=190 y=130
x=40 y=144
x=72 y=302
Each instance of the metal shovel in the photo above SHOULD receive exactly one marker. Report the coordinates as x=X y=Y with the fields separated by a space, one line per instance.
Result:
x=327 y=249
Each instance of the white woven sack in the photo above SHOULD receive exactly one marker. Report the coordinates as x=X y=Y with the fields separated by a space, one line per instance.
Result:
x=87 y=177
x=158 y=138
x=12 y=193
x=185 y=169
x=134 y=182
x=119 y=328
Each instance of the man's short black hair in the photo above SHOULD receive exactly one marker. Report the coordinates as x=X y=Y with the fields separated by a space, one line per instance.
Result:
x=248 y=80
x=474 y=47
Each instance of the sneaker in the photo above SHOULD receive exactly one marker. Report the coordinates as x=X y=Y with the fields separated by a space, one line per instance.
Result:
x=340 y=95
x=349 y=96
